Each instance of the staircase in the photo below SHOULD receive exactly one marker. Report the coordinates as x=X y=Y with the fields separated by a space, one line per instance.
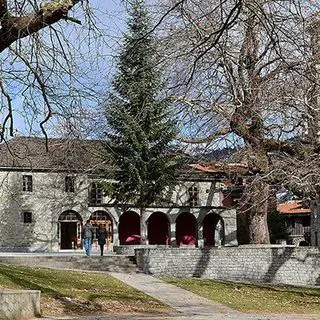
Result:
x=111 y=263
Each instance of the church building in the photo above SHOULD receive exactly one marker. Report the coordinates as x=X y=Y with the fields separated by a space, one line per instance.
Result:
x=49 y=189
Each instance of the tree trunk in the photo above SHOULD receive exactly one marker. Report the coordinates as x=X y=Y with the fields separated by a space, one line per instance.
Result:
x=253 y=214
x=143 y=228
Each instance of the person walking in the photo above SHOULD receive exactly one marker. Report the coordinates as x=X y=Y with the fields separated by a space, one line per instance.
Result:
x=102 y=235
x=87 y=236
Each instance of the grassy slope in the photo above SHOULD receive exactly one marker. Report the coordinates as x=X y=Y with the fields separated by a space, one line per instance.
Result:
x=84 y=293
x=255 y=298
x=78 y=293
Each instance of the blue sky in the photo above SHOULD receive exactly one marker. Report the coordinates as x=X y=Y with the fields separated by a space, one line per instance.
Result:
x=96 y=63
x=110 y=19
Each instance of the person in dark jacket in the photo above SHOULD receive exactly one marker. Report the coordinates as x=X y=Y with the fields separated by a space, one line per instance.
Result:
x=102 y=235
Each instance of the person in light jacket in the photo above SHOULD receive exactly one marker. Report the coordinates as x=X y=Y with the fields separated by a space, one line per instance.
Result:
x=87 y=237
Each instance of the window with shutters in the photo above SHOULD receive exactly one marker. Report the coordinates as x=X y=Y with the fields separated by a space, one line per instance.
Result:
x=69 y=184
x=27 y=217
x=27 y=183
x=193 y=196
x=95 y=193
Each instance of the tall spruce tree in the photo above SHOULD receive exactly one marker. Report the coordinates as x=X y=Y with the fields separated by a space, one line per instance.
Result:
x=141 y=131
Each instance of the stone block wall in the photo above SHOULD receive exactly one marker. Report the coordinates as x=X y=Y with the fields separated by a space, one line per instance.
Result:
x=129 y=250
x=273 y=264
x=19 y=304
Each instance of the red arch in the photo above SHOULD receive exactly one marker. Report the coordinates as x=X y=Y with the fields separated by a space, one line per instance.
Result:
x=129 y=228
x=186 y=229
x=158 y=228
x=209 y=225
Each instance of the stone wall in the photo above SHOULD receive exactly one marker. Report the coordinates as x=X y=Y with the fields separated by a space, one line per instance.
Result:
x=275 y=264
x=19 y=304
x=129 y=250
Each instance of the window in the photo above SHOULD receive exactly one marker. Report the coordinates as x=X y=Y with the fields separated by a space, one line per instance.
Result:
x=69 y=184
x=193 y=196
x=27 y=217
x=27 y=183
x=96 y=193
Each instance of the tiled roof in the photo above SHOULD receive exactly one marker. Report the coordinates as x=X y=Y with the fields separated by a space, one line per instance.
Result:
x=292 y=207
x=219 y=168
x=62 y=154
x=75 y=154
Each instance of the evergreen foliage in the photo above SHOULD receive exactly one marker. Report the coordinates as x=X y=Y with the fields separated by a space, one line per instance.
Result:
x=141 y=132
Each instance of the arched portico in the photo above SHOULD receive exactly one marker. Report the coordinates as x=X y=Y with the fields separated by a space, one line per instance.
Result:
x=186 y=229
x=129 y=228
x=158 y=228
x=69 y=230
x=103 y=218
x=213 y=230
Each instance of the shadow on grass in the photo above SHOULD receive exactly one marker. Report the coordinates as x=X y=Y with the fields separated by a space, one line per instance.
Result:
x=285 y=289
x=20 y=279
x=76 y=293
x=121 y=297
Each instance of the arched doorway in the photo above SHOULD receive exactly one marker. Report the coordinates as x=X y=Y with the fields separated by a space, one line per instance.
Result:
x=186 y=229
x=129 y=228
x=103 y=218
x=69 y=230
x=213 y=230
x=158 y=228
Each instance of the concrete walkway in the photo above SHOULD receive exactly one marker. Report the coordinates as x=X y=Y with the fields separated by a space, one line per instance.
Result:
x=187 y=305
x=191 y=306
x=184 y=302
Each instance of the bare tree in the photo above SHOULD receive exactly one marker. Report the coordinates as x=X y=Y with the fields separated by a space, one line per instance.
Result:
x=245 y=72
x=52 y=54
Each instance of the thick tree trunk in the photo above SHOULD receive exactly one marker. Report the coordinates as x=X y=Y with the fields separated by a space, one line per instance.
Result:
x=17 y=27
x=253 y=214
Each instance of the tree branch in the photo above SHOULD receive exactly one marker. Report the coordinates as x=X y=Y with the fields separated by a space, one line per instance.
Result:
x=14 y=28
x=43 y=90
x=207 y=138
x=9 y=116
x=3 y=9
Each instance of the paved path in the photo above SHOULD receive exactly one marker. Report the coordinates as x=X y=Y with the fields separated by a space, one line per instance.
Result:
x=187 y=305
x=183 y=301
x=191 y=306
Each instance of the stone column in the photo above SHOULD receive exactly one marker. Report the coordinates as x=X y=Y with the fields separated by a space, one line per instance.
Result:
x=172 y=234
x=230 y=227
x=218 y=234
x=114 y=215
x=143 y=227
x=200 y=235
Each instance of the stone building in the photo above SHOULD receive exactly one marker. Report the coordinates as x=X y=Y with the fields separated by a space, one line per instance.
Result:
x=297 y=219
x=49 y=189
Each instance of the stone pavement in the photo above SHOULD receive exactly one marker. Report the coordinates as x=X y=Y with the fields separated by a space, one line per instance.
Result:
x=191 y=306
x=187 y=305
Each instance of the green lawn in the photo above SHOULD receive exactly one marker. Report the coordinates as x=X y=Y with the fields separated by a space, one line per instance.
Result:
x=78 y=293
x=84 y=293
x=255 y=298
